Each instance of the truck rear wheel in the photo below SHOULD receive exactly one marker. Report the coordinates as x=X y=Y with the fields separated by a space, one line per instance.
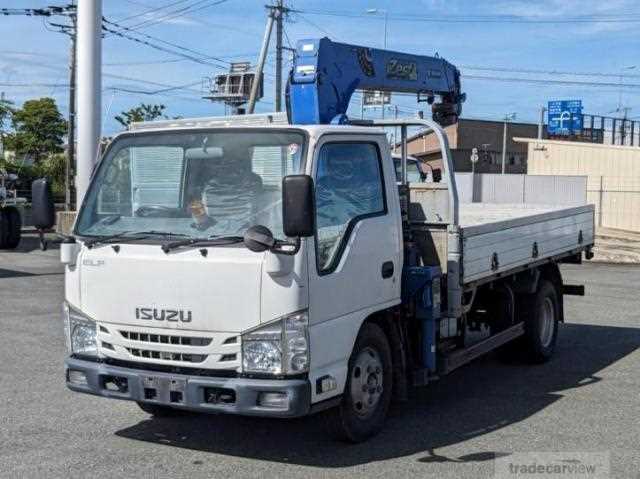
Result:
x=11 y=228
x=367 y=393
x=540 y=313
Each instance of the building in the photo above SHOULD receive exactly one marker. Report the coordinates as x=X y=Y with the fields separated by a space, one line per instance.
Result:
x=484 y=135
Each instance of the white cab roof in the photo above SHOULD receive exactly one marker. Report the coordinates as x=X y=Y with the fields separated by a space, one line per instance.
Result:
x=266 y=121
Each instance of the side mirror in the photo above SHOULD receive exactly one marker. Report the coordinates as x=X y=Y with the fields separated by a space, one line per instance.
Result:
x=69 y=251
x=297 y=206
x=43 y=211
x=259 y=238
x=437 y=175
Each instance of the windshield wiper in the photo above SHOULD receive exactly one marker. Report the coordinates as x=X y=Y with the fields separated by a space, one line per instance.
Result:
x=212 y=241
x=129 y=235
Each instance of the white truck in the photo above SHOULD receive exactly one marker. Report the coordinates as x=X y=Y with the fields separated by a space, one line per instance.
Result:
x=277 y=265
x=271 y=269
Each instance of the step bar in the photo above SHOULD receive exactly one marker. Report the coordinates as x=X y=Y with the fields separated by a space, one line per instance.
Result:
x=461 y=357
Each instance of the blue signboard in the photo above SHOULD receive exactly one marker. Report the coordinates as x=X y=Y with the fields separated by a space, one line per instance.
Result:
x=564 y=117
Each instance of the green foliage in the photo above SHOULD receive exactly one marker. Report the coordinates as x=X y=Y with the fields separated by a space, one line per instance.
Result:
x=143 y=112
x=52 y=167
x=39 y=129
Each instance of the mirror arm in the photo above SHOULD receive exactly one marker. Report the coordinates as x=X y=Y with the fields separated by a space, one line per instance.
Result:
x=278 y=247
x=66 y=238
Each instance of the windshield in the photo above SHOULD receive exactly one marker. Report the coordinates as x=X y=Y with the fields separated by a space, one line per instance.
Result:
x=199 y=185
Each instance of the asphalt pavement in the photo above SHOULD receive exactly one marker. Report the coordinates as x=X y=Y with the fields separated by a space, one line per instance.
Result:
x=587 y=399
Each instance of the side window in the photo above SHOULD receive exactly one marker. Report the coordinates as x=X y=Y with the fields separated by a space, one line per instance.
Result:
x=349 y=187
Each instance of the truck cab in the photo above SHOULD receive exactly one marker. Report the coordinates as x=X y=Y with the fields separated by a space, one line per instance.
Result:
x=166 y=305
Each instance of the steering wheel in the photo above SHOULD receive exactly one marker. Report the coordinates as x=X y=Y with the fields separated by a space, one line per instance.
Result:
x=157 y=211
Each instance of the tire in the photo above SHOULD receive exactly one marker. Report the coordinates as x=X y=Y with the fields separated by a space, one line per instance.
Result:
x=157 y=410
x=4 y=228
x=540 y=313
x=361 y=413
x=14 y=227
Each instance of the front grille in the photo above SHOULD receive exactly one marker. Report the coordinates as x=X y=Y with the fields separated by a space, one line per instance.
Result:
x=168 y=368
x=165 y=339
x=167 y=356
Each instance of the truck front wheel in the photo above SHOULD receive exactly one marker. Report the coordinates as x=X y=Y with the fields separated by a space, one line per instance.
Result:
x=367 y=393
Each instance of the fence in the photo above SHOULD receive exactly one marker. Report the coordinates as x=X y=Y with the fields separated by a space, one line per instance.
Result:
x=513 y=189
x=603 y=129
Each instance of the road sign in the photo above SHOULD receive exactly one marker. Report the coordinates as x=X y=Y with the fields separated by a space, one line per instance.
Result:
x=376 y=98
x=564 y=117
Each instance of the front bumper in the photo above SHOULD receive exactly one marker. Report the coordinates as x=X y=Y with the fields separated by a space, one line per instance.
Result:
x=196 y=393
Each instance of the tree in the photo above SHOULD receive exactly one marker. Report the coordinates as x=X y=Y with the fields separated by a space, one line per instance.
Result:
x=143 y=112
x=39 y=129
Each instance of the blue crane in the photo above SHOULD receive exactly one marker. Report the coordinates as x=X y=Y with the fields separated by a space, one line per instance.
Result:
x=325 y=75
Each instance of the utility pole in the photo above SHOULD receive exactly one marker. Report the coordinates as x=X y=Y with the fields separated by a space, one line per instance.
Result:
x=385 y=13
x=1 y=131
x=541 y=123
x=253 y=96
x=507 y=118
x=89 y=91
x=71 y=136
x=623 y=126
x=279 y=11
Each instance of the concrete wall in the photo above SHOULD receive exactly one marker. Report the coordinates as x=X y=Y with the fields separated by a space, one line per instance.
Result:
x=613 y=174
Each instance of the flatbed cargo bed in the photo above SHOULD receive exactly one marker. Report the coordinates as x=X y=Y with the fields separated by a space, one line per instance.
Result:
x=497 y=238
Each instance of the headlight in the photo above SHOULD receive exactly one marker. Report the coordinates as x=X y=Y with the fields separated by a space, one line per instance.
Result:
x=80 y=332
x=281 y=347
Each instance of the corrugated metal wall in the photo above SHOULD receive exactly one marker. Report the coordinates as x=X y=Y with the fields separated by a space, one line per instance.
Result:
x=515 y=189
x=613 y=176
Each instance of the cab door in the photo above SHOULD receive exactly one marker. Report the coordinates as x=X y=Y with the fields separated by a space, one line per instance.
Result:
x=355 y=261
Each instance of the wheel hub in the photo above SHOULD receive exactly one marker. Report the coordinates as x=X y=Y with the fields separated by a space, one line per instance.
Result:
x=366 y=382
x=547 y=313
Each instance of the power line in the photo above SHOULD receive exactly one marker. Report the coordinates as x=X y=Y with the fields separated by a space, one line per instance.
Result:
x=32 y=84
x=151 y=62
x=165 y=86
x=314 y=25
x=65 y=10
x=184 y=87
x=189 y=51
x=151 y=10
x=553 y=82
x=177 y=13
x=196 y=19
x=160 y=48
x=549 y=72
x=438 y=18
x=136 y=93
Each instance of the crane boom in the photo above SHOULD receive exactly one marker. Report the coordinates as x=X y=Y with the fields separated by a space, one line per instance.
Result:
x=325 y=75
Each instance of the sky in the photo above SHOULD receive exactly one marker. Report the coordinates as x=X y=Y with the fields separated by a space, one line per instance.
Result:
x=545 y=41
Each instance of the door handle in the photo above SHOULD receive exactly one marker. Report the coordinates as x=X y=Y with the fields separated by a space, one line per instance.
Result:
x=387 y=269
